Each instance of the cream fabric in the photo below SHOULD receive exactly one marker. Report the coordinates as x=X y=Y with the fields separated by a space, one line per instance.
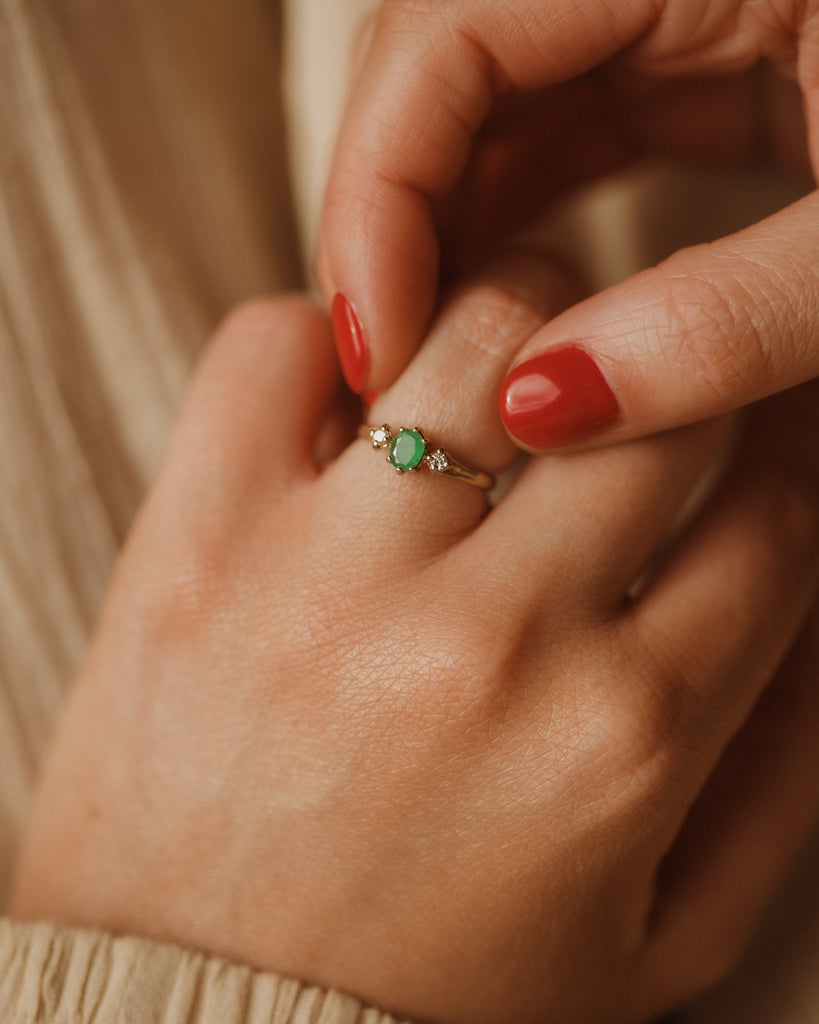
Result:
x=144 y=190
x=49 y=976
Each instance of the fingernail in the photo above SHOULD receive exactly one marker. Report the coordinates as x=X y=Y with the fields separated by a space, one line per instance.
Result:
x=352 y=346
x=557 y=399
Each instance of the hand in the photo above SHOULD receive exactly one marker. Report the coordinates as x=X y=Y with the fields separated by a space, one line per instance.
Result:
x=352 y=727
x=467 y=118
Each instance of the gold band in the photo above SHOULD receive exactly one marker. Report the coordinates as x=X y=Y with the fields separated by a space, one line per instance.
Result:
x=409 y=449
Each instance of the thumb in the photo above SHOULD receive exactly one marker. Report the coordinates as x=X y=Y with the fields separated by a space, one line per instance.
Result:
x=713 y=328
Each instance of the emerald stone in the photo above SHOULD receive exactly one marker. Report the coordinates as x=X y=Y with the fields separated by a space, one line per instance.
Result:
x=407 y=450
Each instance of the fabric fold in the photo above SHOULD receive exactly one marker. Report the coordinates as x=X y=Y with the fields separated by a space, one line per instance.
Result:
x=56 y=975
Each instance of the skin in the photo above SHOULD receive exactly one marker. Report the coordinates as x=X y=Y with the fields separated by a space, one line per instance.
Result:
x=359 y=729
x=468 y=117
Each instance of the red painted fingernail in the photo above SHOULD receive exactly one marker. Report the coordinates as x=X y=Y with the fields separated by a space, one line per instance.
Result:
x=557 y=399
x=352 y=345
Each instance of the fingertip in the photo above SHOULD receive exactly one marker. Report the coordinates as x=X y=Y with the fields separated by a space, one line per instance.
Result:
x=351 y=342
x=382 y=299
x=557 y=399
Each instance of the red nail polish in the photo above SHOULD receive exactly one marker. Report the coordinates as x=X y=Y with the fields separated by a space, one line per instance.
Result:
x=557 y=399
x=352 y=346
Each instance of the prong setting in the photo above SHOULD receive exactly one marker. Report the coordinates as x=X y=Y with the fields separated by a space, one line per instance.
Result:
x=409 y=449
x=381 y=437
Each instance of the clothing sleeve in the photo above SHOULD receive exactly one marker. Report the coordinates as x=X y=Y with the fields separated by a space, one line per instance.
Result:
x=54 y=975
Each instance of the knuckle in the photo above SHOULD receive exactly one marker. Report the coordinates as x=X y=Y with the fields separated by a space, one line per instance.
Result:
x=268 y=316
x=508 y=302
x=641 y=742
x=647 y=728
x=630 y=738
x=251 y=315
x=448 y=38
x=181 y=590
x=176 y=605
x=656 y=719
x=490 y=316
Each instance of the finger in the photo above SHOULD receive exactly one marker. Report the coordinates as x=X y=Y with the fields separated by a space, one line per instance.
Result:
x=607 y=512
x=449 y=391
x=742 y=833
x=712 y=329
x=719 y=618
x=257 y=401
x=427 y=84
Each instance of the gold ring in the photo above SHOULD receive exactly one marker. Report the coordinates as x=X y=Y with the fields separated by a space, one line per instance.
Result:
x=410 y=449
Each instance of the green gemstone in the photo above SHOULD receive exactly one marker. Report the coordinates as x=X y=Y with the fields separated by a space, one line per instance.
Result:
x=407 y=450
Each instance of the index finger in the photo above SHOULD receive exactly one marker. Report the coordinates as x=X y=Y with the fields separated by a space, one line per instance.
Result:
x=426 y=85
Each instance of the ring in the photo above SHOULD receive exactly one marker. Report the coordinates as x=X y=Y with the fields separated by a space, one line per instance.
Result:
x=410 y=449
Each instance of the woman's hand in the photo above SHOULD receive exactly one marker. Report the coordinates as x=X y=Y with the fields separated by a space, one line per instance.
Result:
x=468 y=117
x=352 y=726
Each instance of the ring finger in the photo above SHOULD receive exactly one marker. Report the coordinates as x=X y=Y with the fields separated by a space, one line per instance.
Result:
x=450 y=393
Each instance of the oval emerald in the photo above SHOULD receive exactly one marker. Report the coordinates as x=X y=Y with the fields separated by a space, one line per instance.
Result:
x=407 y=450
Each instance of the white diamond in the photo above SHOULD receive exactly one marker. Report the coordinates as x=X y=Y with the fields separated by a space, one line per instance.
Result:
x=381 y=436
x=438 y=461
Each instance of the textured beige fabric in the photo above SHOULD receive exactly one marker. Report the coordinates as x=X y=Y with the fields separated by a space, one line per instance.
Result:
x=48 y=976
x=143 y=191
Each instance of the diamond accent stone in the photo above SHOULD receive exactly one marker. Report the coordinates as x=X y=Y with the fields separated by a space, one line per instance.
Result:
x=438 y=461
x=381 y=436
